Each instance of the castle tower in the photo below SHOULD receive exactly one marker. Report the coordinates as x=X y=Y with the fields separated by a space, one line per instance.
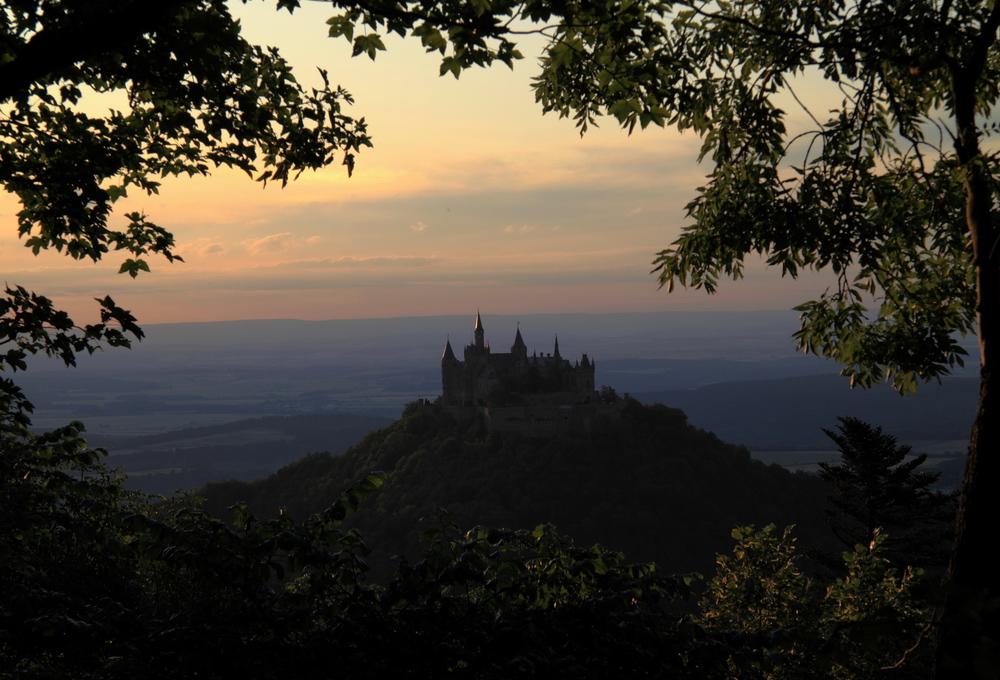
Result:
x=585 y=376
x=451 y=376
x=555 y=354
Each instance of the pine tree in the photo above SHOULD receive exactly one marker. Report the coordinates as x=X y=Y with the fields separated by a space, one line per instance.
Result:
x=877 y=486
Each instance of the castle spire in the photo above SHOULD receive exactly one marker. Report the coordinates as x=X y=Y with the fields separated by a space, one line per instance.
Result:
x=519 y=350
x=555 y=354
x=518 y=340
x=479 y=332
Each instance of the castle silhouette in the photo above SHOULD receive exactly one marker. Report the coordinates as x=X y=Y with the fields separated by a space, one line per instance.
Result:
x=537 y=394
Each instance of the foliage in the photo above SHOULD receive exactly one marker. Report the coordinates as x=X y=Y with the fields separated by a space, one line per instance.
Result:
x=234 y=598
x=874 y=621
x=68 y=571
x=99 y=586
x=608 y=394
x=875 y=487
x=196 y=96
x=759 y=587
x=530 y=603
x=871 y=191
x=862 y=625
x=498 y=396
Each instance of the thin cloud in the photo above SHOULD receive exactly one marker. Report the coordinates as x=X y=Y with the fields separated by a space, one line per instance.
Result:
x=418 y=227
x=350 y=261
x=523 y=229
x=271 y=243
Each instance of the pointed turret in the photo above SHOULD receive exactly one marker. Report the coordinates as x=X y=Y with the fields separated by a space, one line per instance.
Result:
x=555 y=354
x=519 y=350
x=448 y=355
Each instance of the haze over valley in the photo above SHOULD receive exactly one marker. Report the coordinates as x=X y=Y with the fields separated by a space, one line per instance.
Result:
x=736 y=374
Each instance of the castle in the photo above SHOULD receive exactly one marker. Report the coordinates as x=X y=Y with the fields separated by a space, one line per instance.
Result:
x=537 y=394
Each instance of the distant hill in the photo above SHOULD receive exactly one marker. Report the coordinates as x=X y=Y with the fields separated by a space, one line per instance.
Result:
x=650 y=484
x=789 y=412
x=245 y=449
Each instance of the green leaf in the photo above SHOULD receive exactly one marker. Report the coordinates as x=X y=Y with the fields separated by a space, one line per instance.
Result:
x=133 y=267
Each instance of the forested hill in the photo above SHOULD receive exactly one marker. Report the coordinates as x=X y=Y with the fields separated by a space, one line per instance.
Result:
x=650 y=485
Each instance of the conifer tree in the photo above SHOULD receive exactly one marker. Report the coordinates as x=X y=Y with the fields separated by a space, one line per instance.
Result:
x=878 y=485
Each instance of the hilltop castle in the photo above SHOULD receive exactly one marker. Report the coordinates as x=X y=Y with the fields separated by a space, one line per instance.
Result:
x=536 y=394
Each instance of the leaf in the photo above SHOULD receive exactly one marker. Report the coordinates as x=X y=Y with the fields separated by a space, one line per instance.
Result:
x=133 y=267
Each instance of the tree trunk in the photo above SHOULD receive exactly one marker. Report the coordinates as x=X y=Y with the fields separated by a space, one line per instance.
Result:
x=970 y=619
x=968 y=643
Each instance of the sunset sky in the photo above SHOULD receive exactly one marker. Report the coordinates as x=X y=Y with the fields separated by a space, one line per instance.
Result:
x=470 y=199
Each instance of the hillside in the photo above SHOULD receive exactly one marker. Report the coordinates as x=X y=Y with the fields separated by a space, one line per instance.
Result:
x=789 y=412
x=650 y=485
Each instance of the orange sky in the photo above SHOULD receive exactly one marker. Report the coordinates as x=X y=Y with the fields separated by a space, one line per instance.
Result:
x=470 y=199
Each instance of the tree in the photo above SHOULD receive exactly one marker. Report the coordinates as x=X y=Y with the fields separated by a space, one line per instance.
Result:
x=198 y=96
x=69 y=576
x=861 y=625
x=759 y=587
x=876 y=488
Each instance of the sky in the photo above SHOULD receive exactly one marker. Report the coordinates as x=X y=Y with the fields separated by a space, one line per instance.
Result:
x=471 y=199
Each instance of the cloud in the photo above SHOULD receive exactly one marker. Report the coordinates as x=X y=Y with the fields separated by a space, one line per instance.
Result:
x=634 y=211
x=350 y=261
x=271 y=243
x=523 y=229
x=418 y=227
x=212 y=249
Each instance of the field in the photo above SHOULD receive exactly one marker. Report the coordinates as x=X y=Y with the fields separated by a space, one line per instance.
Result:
x=944 y=456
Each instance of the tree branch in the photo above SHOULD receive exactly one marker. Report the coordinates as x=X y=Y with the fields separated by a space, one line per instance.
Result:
x=81 y=35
